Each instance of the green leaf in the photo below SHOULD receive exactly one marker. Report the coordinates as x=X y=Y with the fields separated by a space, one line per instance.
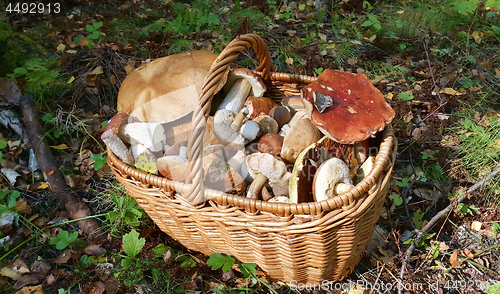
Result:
x=377 y=26
x=49 y=119
x=367 y=23
x=98 y=164
x=160 y=249
x=61 y=244
x=247 y=268
x=217 y=260
x=398 y=200
x=63 y=235
x=3 y=144
x=97 y=25
x=399 y=23
x=417 y=218
x=11 y=201
x=132 y=245
x=318 y=70
x=72 y=237
x=213 y=19
x=94 y=36
x=89 y=28
x=112 y=215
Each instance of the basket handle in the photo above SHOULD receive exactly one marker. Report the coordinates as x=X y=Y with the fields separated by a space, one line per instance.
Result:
x=195 y=192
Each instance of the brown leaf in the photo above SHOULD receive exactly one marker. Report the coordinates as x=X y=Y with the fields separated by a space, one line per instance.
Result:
x=97 y=288
x=50 y=279
x=352 y=61
x=166 y=256
x=59 y=272
x=27 y=280
x=31 y=290
x=94 y=250
x=454 y=259
x=64 y=257
x=477 y=36
x=112 y=80
x=40 y=266
x=83 y=42
x=443 y=246
x=129 y=68
x=9 y=90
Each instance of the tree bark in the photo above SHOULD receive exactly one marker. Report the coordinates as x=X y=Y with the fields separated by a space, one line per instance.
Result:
x=51 y=174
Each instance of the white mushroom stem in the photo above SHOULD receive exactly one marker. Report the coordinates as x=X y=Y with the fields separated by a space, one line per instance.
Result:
x=235 y=98
x=238 y=120
x=151 y=135
x=256 y=186
x=117 y=146
x=237 y=160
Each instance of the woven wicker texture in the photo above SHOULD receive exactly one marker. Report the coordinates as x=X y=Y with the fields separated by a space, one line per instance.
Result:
x=294 y=243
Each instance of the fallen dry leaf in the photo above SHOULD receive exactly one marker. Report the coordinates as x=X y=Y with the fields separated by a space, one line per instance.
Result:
x=64 y=257
x=129 y=68
x=94 y=250
x=443 y=246
x=10 y=273
x=20 y=266
x=450 y=91
x=477 y=36
x=97 y=288
x=50 y=279
x=60 y=147
x=31 y=290
x=28 y=280
x=454 y=259
x=83 y=42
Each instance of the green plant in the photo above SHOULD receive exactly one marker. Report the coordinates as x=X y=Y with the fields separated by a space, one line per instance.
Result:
x=248 y=270
x=124 y=212
x=93 y=36
x=372 y=21
x=3 y=144
x=398 y=200
x=35 y=71
x=465 y=209
x=403 y=183
x=63 y=239
x=8 y=200
x=405 y=96
x=477 y=153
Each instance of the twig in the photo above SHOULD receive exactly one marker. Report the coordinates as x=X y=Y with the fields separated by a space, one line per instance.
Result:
x=431 y=223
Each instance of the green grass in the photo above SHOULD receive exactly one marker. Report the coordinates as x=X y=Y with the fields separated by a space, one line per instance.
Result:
x=479 y=154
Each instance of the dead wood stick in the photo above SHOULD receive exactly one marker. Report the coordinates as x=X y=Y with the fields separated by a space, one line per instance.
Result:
x=440 y=214
x=76 y=209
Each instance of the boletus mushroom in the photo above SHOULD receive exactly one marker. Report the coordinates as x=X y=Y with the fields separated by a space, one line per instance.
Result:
x=166 y=91
x=332 y=178
x=346 y=107
x=263 y=167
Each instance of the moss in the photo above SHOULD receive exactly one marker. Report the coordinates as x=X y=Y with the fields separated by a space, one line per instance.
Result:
x=15 y=49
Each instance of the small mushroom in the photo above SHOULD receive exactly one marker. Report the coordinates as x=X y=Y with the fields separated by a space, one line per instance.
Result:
x=223 y=130
x=307 y=164
x=332 y=178
x=271 y=143
x=250 y=130
x=242 y=82
x=263 y=167
x=301 y=135
x=294 y=103
x=280 y=199
x=116 y=145
x=267 y=124
x=151 y=135
x=281 y=114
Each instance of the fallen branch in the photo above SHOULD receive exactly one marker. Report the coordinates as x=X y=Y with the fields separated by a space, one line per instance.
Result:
x=433 y=221
x=51 y=174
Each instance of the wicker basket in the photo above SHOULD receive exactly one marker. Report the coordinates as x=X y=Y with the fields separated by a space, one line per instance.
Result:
x=275 y=236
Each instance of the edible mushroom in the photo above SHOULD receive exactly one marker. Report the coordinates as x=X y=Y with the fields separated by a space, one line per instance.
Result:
x=332 y=178
x=241 y=83
x=263 y=167
x=166 y=91
x=346 y=107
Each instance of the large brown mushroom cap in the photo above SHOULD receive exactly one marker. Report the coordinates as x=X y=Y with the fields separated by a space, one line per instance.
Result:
x=167 y=88
x=347 y=108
